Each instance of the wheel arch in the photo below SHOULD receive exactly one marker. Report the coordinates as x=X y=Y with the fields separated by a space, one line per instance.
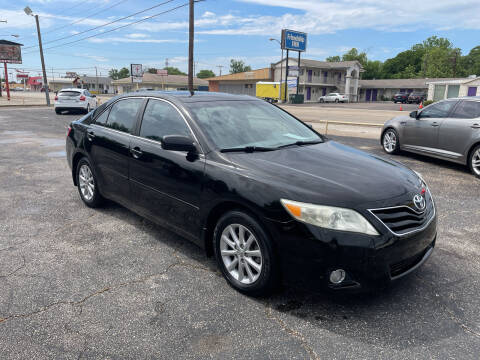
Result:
x=76 y=158
x=470 y=150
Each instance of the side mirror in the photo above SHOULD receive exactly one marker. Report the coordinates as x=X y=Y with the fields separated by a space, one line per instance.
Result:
x=414 y=114
x=178 y=143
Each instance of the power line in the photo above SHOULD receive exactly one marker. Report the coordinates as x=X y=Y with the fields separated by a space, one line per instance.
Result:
x=100 y=26
x=119 y=27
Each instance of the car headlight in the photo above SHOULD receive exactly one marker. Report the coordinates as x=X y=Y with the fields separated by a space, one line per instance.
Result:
x=329 y=217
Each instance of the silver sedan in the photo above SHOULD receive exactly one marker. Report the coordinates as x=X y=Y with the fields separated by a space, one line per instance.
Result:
x=448 y=129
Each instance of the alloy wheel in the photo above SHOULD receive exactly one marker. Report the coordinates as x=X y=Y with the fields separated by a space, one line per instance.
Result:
x=86 y=182
x=241 y=254
x=390 y=141
x=476 y=162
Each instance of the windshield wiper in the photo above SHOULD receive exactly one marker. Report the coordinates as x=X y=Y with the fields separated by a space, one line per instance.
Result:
x=301 y=142
x=248 y=149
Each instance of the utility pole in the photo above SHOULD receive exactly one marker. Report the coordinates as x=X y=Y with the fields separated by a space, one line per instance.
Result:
x=96 y=76
x=190 y=47
x=220 y=68
x=166 y=62
x=28 y=11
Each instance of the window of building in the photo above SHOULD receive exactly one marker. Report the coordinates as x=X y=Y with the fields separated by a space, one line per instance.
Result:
x=161 y=119
x=123 y=114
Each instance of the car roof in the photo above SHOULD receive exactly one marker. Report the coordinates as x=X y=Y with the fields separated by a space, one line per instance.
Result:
x=185 y=97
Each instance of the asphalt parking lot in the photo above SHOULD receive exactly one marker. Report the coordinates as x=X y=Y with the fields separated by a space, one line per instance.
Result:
x=79 y=283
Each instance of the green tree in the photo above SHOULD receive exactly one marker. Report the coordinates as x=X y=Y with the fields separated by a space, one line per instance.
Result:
x=470 y=64
x=119 y=74
x=238 y=66
x=173 y=70
x=353 y=55
x=203 y=74
x=335 y=58
x=373 y=70
x=152 y=70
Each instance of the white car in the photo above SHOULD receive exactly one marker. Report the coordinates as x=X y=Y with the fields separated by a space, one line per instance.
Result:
x=75 y=99
x=333 y=97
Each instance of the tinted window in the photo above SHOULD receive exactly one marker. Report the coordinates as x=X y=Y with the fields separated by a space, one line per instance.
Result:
x=249 y=123
x=438 y=110
x=467 y=110
x=69 y=93
x=102 y=119
x=161 y=119
x=123 y=114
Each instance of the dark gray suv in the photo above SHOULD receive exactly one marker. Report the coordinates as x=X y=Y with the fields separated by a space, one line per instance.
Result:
x=448 y=129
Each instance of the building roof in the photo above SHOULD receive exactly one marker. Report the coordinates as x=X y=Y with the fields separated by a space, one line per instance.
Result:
x=163 y=79
x=400 y=83
x=259 y=74
x=453 y=81
x=6 y=42
x=324 y=64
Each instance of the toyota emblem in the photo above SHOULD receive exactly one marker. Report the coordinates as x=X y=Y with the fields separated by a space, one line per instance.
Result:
x=419 y=202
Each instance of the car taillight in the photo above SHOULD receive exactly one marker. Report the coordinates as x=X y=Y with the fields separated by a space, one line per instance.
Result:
x=69 y=129
x=56 y=98
x=82 y=98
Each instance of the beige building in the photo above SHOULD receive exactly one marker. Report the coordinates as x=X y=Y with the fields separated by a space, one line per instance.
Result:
x=241 y=83
x=158 y=82
x=450 y=88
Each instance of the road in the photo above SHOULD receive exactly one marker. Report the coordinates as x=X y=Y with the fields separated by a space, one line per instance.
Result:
x=81 y=283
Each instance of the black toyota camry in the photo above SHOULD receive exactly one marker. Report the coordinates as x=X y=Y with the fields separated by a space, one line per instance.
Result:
x=263 y=192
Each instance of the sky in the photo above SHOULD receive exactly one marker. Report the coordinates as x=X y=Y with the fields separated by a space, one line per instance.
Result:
x=225 y=29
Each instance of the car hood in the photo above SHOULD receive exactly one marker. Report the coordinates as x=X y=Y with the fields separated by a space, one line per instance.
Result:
x=328 y=173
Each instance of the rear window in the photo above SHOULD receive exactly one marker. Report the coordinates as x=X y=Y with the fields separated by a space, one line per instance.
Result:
x=69 y=93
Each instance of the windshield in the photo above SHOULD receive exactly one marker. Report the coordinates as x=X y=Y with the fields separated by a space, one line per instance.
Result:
x=239 y=124
x=69 y=93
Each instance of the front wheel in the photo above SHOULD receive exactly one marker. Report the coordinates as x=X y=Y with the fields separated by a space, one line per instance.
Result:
x=390 y=141
x=474 y=161
x=244 y=254
x=336 y=100
x=321 y=101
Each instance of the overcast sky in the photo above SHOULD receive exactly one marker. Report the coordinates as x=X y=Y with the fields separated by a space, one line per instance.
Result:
x=228 y=29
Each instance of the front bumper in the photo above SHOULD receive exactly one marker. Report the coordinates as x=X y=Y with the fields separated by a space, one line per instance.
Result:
x=308 y=254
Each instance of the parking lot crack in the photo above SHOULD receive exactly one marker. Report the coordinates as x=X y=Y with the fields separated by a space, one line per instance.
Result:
x=292 y=332
x=16 y=270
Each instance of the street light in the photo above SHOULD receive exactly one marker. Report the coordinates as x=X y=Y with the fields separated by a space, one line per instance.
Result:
x=281 y=66
x=29 y=12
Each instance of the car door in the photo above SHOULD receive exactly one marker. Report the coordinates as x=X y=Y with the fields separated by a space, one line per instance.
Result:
x=165 y=184
x=421 y=133
x=90 y=99
x=459 y=131
x=108 y=143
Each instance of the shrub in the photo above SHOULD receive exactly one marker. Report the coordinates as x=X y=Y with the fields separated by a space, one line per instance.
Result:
x=428 y=102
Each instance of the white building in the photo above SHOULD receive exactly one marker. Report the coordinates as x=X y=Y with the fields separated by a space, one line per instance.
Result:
x=439 y=90
x=318 y=78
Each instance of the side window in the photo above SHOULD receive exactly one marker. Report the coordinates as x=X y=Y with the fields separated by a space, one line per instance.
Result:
x=123 y=115
x=438 y=110
x=161 y=119
x=86 y=93
x=102 y=119
x=467 y=110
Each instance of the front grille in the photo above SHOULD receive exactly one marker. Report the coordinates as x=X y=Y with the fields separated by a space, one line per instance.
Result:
x=403 y=219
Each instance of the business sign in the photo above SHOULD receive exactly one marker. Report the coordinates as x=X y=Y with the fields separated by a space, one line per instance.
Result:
x=293 y=71
x=10 y=52
x=162 y=72
x=136 y=72
x=294 y=40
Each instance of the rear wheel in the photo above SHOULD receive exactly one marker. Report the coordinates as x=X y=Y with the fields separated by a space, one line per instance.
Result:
x=244 y=254
x=390 y=141
x=87 y=184
x=87 y=110
x=474 y=161
x=336 y=100
x=322 y=100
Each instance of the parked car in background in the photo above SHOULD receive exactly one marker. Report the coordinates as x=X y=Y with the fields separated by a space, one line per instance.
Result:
x=401 y=98
x=42 y=89
x=333 y=97
x=74 y=99
x=256 y=187
x=416 y=97
x=448 y=129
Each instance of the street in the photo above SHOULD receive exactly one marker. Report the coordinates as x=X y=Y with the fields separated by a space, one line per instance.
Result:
x=81 y=283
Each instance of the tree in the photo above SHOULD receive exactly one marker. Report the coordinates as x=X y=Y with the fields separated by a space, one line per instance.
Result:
x=353 y=55
x=152 y=70
x=203 y=74
x=173 y=70
x=119 y=74
x=238 y=66
x=373 y=70
x=335 y=58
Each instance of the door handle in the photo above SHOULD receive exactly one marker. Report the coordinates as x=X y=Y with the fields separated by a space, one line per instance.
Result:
x=435 y=124
x=475 y=126
x=136 y=152
x=90 y=135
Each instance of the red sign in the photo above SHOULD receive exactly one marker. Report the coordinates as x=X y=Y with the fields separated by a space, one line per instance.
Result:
x=162 y=72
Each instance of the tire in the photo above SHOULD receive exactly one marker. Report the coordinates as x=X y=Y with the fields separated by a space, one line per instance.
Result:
x=321 y=101
x=256 y=280
x=336 y=100
x=87 y=186
x=58 y=112
x=87 y=110
x=390 y=141
x=474 y=161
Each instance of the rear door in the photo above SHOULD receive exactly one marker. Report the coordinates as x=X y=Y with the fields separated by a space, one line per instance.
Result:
x=422 y=134
x=166 y=184
x=108 y=140
x=459 y=131
x=68 y=98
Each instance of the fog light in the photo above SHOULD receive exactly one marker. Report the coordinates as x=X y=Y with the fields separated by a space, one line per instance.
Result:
x=337 y=276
